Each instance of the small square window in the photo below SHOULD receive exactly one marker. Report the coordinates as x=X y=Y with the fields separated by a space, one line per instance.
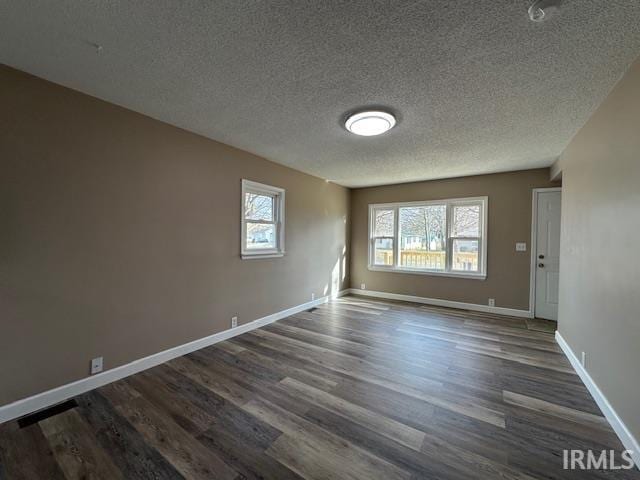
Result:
x=262 y=220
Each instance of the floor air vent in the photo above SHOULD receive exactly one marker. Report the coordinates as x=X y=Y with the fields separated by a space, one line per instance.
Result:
x=46 y=413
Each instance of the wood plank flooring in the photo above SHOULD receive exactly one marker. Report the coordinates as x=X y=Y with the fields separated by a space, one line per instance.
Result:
x=355 y=389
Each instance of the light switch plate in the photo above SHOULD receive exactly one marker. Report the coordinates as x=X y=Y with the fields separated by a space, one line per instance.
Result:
x=521 y=247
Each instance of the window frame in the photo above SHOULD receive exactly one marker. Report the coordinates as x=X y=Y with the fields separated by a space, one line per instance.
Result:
x=373 y=238
x=450 y=203
x=278 y=195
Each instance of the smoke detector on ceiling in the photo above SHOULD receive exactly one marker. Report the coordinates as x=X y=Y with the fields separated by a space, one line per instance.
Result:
x=541 y=10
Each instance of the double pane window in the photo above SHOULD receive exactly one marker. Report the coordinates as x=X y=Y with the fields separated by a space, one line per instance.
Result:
x=262 y=220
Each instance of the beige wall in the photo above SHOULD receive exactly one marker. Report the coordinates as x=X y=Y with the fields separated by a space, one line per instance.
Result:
x=509 y=222
x=120 y=236
x=600 y=267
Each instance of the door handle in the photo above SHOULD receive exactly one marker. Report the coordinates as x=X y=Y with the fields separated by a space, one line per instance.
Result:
x=541 y=265
x=540 y=256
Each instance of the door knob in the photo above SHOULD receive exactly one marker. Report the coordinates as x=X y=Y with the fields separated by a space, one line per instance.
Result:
x=540 y=256
x=541 y=265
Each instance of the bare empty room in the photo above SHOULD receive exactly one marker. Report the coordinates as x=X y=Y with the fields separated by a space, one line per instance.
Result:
x=312 y=240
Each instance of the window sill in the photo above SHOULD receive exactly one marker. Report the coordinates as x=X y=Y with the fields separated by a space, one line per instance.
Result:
x=255 y=256
x=472 y=276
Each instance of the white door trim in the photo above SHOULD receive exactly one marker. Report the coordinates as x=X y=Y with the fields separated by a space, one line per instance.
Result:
x=534 y=240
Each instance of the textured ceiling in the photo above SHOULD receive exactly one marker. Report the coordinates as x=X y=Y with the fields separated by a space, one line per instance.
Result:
x=477 y=87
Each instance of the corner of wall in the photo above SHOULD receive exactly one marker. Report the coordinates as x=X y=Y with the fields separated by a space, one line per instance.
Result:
x=555 y=170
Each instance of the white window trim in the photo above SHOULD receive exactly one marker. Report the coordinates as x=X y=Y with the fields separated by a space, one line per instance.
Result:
x=249 y=186
x=450 y=203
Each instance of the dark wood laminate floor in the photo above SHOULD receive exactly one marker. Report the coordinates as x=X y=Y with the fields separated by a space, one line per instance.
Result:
x=356 y=389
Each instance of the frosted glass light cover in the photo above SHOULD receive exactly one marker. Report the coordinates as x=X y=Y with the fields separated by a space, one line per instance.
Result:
x=370 y=123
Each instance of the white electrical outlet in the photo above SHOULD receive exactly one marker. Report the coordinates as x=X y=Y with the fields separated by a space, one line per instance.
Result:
x=492 y=302
x=96 y=365
x=313 y=296
x=584 y=359
x=363 y=286
x=521 y=246
x=234 y=322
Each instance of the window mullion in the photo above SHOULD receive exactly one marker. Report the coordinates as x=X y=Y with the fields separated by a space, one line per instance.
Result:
x=396 y=239
x=372 y=238
x=261 y=222
x=465 y=238
x=449 y=242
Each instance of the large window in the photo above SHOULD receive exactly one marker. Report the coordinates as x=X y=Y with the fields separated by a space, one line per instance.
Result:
x=444 y=237
x=262 y=220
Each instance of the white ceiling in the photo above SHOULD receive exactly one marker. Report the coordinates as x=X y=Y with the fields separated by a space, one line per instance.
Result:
x=477 y=87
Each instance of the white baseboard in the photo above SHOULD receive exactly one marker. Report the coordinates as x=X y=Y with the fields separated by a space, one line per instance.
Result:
x=56 y=395
x=625 y=436
x=513 y=312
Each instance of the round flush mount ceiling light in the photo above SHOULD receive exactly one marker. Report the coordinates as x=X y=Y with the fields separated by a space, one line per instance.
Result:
x=370 y=123
x=540 y=10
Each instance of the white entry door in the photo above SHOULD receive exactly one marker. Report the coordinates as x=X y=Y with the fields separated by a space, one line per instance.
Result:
x=547 y=255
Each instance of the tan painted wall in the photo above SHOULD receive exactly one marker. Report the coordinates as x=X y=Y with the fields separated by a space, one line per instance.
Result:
x=509 y=222
x=600 y=267
x=120 y=236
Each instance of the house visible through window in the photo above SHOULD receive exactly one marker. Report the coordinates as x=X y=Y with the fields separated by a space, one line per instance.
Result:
x=445 y=237
x=262 y=220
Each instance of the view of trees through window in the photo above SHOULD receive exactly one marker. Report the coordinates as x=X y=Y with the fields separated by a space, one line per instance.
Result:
x=465 y=233
x=261 y=228
x=383 y=237
x=422 y=237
